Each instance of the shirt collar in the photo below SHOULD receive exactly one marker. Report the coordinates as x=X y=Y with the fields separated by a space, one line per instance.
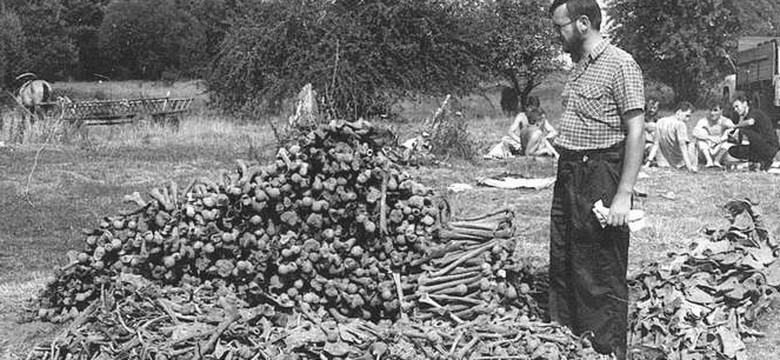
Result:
x=596 y=51
x=590 y=57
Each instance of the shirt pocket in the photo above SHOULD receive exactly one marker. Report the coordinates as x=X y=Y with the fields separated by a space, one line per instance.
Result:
x=590 y=101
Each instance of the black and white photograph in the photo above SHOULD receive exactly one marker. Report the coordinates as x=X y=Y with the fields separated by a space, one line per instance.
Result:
x=389 y=179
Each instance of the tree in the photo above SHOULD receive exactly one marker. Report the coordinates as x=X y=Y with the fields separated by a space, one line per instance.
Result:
x=361 y=55
x=753 y=19
x=13 y=54
x=213 y=16
x=144 y=38
x=82 y=19
x=52 y=53
x=520 y=46
x=682 y=43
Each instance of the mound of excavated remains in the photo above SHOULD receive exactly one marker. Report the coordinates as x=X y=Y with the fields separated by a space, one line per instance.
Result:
x=701 y=304
x=330 y=251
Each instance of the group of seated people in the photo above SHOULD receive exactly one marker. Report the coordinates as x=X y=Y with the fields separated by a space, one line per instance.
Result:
x=719 y=141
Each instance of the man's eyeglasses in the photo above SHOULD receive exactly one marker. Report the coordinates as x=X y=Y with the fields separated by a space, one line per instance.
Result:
x=559 y=27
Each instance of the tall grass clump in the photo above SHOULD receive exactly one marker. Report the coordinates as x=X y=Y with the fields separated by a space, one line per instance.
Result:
x=16 y=128
x=450 y=138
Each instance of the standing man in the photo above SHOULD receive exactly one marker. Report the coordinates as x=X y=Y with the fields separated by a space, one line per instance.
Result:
x=671 y=137
x=601 y=138
x=757 y=128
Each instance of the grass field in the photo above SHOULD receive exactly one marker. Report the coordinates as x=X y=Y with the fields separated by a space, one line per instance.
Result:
x=48 y=196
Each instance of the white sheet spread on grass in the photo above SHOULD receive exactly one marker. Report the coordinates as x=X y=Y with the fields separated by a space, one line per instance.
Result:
x=517 y=183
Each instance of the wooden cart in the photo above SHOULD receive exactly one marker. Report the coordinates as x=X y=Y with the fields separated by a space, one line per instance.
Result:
x=115 y=112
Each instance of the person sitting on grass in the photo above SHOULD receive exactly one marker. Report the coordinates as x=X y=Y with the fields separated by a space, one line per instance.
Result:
x=651 y=116
x=671 y=137
x=710 y=135
x=755 y=127
x=536 y=135
x=512 y=144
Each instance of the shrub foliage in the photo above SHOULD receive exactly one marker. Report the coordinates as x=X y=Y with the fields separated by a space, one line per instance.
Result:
x=520 y=44
x=359 y=55
x=682 y=43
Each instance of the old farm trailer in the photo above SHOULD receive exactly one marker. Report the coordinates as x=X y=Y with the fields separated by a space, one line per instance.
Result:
x=114 y=112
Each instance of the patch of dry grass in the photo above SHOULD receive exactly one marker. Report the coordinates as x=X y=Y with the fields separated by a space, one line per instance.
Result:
x=198 y=130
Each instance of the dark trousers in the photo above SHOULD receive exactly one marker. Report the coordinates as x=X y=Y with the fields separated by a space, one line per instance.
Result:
x=759 y=150
x=588 y=287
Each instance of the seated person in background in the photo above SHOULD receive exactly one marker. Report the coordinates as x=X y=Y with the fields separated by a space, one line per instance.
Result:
x=671 y=137
x=521 y=121
x=651 y=110
x=710 y=135
x=536 y=135
x=651 y=115
x=756 y=127
x=511 y=144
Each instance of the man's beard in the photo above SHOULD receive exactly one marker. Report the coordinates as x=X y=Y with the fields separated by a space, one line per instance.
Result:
x=574 y=46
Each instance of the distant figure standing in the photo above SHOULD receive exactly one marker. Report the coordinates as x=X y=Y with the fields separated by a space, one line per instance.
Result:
x=756 y=127
x=600 y=141
x=710 y=135
x=671 y=137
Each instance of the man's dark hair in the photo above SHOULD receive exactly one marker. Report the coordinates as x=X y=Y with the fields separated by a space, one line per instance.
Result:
x=577 y=8
x=715 y=106
x=532 y=102
x=685 y=106
x=650 y=102
x=535 y=116
x=741 y=97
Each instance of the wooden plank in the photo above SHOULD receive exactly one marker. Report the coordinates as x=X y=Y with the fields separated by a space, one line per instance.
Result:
x=101 y=117
x=762 y=53
x=749 y=42
x=107 y=122
x=757 y=64
x=167 y=112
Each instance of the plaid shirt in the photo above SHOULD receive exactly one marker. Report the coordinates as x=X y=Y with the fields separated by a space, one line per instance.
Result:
x=602 y=87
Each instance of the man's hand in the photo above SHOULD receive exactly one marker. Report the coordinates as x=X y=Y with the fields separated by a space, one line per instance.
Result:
x=618 y=211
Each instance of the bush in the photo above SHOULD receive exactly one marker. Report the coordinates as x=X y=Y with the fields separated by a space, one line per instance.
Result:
x=451 y=137
x=143 y=38
x=661 y=92
x=360 y=56
x=13 y=54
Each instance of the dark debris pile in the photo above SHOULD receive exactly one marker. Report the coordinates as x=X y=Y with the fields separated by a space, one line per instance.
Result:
x=138 y=319
x=701 y=304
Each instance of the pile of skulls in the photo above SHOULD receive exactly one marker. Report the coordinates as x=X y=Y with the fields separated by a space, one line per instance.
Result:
x=701 y=304
x=331 y=225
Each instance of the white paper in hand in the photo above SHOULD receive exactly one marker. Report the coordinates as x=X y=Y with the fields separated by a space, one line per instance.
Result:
x=636 y=218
